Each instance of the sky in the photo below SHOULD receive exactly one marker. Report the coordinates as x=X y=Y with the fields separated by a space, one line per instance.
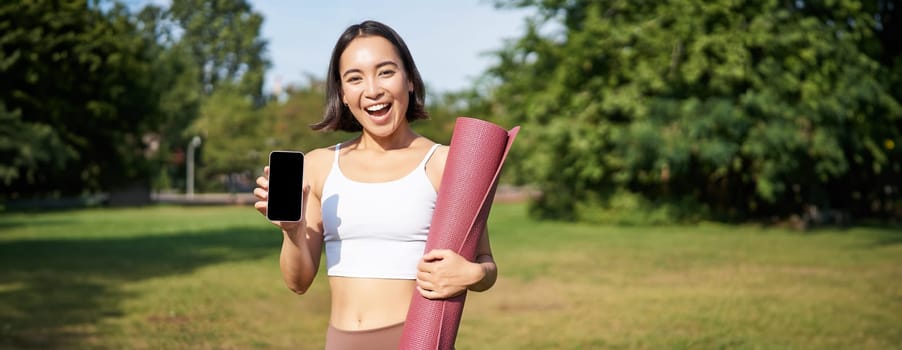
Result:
x=449 y=40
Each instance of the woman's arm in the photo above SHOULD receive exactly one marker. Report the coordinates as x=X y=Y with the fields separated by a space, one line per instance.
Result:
x=487 y=262
x=442 y=273
x=301 y=249
x=301 y=241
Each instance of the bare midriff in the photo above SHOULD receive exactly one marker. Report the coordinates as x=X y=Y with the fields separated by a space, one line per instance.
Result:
x=369 y=303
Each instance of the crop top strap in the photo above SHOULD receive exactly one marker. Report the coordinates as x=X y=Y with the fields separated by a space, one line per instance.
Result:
x=428 y=155
x=337 y=149
x=422 y=163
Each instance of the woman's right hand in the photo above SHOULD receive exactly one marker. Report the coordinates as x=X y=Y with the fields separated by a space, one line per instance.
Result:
x=262 y=194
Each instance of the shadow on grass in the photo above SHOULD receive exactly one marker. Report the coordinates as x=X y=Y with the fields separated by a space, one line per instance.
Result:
x=51 y=289
x=889 y=239
x=11 y=223
x=881 y=234
x=892 y=232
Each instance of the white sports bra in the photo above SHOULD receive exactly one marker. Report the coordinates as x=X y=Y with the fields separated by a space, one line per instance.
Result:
x=376 y=230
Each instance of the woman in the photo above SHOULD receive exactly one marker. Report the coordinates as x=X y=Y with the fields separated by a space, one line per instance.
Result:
x=370 y=200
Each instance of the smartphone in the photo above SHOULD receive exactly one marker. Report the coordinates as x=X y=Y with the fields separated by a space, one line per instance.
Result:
x=286 y=179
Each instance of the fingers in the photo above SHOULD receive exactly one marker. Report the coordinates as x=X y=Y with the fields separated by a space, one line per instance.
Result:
x=436 y=254
x=428 y=294
x=430 y=287
x=438 y=293
x=424 y=280
x=261 y=194
x=262 y=191
x=428 y=290
x=424 y=266
x=423 y=292
x=261 y=207
x=261 y=204
x=432 y=260
x=263 y=182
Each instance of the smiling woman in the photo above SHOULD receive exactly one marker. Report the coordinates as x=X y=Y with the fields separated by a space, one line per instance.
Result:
x=372 y=199
x=379 y=52
x=373 y=82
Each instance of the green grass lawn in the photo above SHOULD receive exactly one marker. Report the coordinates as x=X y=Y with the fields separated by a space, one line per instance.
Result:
x=208 y=278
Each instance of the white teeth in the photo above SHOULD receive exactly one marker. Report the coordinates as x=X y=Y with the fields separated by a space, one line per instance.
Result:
x=377 y=107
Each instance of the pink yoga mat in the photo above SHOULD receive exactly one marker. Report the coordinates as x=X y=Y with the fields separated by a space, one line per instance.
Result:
x=478 y=149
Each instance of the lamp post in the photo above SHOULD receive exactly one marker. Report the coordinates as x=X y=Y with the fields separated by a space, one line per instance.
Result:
x=195 y=142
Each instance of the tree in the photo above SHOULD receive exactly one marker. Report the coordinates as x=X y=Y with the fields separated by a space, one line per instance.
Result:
x=288 y=122
x=475 y=101
x=224 y=39
x=95 y=98
x=29 y=149
x=78 y=95
x=176 y=73
x=232 y=133
x=204 y=47
x=238 y=136
x=722 y=108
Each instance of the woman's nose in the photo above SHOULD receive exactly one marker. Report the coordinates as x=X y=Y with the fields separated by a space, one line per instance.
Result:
x=373 y=90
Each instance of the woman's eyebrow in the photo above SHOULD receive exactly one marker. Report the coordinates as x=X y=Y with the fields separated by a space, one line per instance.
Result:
x=386 y=63
x=349 y=71
x=379 y=65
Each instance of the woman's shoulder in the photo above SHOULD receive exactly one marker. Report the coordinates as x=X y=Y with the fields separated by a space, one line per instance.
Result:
x=320 y=155
x=425 y=142
x=441 y=154
x=435 y=166
x=317 y=164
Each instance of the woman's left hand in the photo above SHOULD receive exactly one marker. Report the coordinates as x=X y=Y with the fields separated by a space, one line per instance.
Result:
x=442 y=273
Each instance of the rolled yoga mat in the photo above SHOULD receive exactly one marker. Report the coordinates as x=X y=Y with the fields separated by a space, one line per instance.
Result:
x=478 y=149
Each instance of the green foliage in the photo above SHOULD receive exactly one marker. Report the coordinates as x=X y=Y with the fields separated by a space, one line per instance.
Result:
x=208 y=46
x=475 y=102
x=79 y=94
x=231 y=132
x=95 y=98
x=176 y=73
x=238 y=136
x=747 y=108
x=444 y=109
x=287 y=122
x=179 y=102
x=29 y=148
x=223 y=37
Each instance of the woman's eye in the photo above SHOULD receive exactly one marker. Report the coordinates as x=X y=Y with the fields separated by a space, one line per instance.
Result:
x=353 y=79
x=387 y=73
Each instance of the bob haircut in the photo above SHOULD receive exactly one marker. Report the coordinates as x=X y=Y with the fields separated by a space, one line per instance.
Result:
x=338 y=116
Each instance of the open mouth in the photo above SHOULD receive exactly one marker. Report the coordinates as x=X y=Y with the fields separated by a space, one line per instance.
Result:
x=379 y=109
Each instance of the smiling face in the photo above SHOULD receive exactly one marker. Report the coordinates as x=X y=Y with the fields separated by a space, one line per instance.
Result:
x=374 y=85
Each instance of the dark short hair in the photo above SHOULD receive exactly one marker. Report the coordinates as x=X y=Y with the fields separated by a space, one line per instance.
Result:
x=338 y=116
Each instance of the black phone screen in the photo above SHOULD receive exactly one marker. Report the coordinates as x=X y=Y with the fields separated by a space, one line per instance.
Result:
x=286 y=174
